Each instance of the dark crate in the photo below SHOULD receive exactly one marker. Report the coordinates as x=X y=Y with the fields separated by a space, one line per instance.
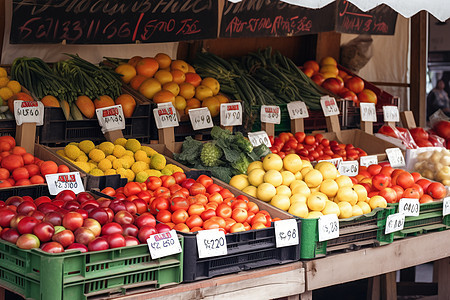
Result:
x=34 y=191
x=8 y=127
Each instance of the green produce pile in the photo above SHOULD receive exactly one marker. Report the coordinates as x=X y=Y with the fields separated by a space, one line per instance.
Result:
x=225 y=156
x=261 y=78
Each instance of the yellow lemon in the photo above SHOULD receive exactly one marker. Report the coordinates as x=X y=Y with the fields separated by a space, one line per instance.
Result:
x=364 y=206
x=357 y=210
x=314 y=215
x=251 y=190
x=256 y=176
x=288 y=177
x=297 y=198
x=316 y=201
x=361 y=192
x=257 y=164
x=265 y=192
x=327 y=169
x=344 y=181
x=304 y=171
x=331 y=208
x=296 y=183
x=377 y=201
x=292 y=162
x=284 y=190
x=346 y=210
x=273 y=177
x=347 y=194
x=239 y=181
x=313 y=178
x=281 y=201
x=272 y=162
x=329 y=187
x=298 y=209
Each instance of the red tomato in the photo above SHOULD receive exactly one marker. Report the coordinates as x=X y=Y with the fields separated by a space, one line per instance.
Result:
x=210 y=224
x=399 y=190
x=389 y=194
x=425 y=199
x=132 y=188
x=220 y=221
x=239 y=214
x=442 y=129
x=239 y=204
x=424 y=183
x=159 y=203
x=153 y=183
x=225 y=193
x=436 y=190
x=213 y=188
x=206 y=181
x=411 y=193
x=196 y=209
x=355 y=84
x=224 y=211
x=238 y=227
x=197 y=188
x=168 y=180
x=179 y=216
x=310 y=140
x=201 y=198
x=181 y=227
x=284 y=137
x=208 y=214
x=405 y=180
x=381 y=181
x=194 y=221
x=179 y=177
x=300 y=136
x=374 y=169
x=48 y=167
x=229 y=222
x=162 y=191
x=179 y=203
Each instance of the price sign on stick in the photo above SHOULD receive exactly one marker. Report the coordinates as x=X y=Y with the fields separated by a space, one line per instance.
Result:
x=270 y=114
x=29 y=112
x=64 y=181
x=200 y=118
x=335 y=161
x=368 y=160
x=328 y=227
x=409 y=207
x=111 y=118
x=286 y=233
x=231 y=114
x=211 y=243
x=446 y=206
x=259 y=137
x=165 y=116
x=349 y=168
x=395 y=157
x=164 y=244
x=368 y=112
x=297 y=110
x=394 y=223
x=329 y=106
x=391 y=114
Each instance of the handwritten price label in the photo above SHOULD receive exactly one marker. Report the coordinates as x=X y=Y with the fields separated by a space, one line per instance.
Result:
x=349 y=168
x=211 y=243
x=259 y=137
x=329 y=106
x=335 y=161
x=297 y=110
x=395 y=157
x=409 y=207
x=270 y=114
x=64 y=181
x=368 y=160
x=231 y=114
x=446 y=206
x=164 y=244
x=200 y=118
x=390 y=114
x=29 y=112
x=165 y=116
x=328 y=227
x=286 y=233
x=394 y=223
x=368 y=112
x=111 y=118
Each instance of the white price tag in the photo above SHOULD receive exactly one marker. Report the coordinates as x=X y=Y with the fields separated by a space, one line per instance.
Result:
x=394 y=223
x=335 y=161
x=29 y=112
x=211 y=243
x=297 y=110
x=165 y=116
x=259 y=137
x=446 y=206
x=368 y=112
x=231 y=114
x=329 y=106
x=349 y=168
x=328 y=227
x=368 y=160
x=163 y=244
x=286 y=233
x=64 y=181
x=395 y=157
x=111 y=118
x=270 y=114
x=200 y=118
x=390 y=114
x=409 y=207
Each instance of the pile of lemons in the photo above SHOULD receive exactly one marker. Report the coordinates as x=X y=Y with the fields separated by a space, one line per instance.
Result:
x=294 y=185
x=126 y=157
x=8 y=88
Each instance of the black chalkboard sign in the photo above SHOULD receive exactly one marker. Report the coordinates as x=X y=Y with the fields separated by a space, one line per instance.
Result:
x=381 y=20
x=112 y=21
x=274 y=18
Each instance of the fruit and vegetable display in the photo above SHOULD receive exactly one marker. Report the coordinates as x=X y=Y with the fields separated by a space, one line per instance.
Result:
x=434 y=164
x=413 y=138
x=328 y=75
x=294 y=185
x=225 y=155
x=442 y=129
x=10 y=90
x=394 y=184
x=126 y=157
x=162 y=80
x=313 y=147
x=20 y=168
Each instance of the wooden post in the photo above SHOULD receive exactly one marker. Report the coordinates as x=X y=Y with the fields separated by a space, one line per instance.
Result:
x=297 y=125
x=333 y=125
x=113 y=135
x=418 y=62
x=229 y=128
x=26 y=135
x=269 y=128
x=407 y=118
x=367 y=127
x=391 y=124
x=166 y=136
x=388 y=286
x=443 y=278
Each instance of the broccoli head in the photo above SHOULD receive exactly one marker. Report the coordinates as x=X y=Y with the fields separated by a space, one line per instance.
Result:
x=218 y=133
x=210 y=155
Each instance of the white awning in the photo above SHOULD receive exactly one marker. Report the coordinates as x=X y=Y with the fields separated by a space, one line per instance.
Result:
x=407 y=8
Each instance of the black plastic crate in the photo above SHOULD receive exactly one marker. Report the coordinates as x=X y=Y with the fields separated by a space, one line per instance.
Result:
x=246 y=250
x=34 y=191
x=8 y=127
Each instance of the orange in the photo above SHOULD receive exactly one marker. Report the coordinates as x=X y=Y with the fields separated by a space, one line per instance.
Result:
x=179 y=65
x=86 y=106
x=136 y=81
x=222 y=98
x=328 y=61
x=50 y=100
x=163 y=76
x=147 y=66
x=213 y=104
x=128 y=104
x=193 y=79
x=163 y=60
x=203 y=92
x=150 y=87
x=127 y=71
x=103 y=101
x=178 y=76
x=329 y=69
x=172 y=87
x=212 y=83
x=163 y=96
x=180 y=103
x=193 y=102
x=191 y=69
x=134 y=60
x=312 y=64
x=187 y=90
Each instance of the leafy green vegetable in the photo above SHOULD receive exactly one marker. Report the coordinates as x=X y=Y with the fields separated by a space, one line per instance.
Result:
x=243 y=143
x=218 y=133
x=190 y=151
x=241 y=164
x=211 y=154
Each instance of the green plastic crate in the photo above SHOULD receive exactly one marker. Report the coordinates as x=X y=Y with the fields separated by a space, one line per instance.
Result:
x=35 y=274
x=354 y=232
x=429 y=219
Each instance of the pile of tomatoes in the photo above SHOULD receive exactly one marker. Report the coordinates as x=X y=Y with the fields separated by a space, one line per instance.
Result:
x=313 y=147
x=189 y=205
x=395 y=184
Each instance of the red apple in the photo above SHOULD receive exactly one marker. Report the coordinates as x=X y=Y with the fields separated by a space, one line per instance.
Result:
x=28 y=241
x=25 y=207
x=72 y=220
x=145 y=219
x=66 y=195
x=93 y=225
x=6 y=216
x=334 y=85
x=145 y=232
x=123 y=217
x=71 y=205
x=54 y=218
x=130 y=230
x=116 y=240
x=14 y=200
x=44 y=231
x=98 y=244
x=65 y=237
x=27 y=224
x=141 y=206
x=355 y=84
x=130 y=207
x=83 y=213
x=84 y=235
x=117 y=205
x=84 y=196
x=100 y=215
x=52 y=247
x=15 y=220
x=47 y=207
x=161 y=227
x=131 y=241
x=111 y=228
x=10 y=235
x=78 y=246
